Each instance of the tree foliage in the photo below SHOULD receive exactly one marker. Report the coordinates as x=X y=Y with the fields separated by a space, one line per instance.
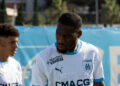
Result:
x=20 y=17
x=35 y=19
x=3 y=13
x=83 y=2
x=53 y=12
x=57 y=4
x=110 y=12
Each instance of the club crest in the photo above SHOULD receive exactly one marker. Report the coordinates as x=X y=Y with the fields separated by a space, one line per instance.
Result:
x=87 y=66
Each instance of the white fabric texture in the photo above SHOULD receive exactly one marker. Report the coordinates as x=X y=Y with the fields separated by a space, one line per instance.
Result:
x=10 y=73
x=52 y=68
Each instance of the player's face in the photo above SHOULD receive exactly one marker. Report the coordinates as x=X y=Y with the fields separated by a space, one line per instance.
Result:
x=66 y=38
x=9 y=45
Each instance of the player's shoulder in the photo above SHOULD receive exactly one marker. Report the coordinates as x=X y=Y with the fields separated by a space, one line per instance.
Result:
x=14 y=61
x=11 y=59
x=89 y=47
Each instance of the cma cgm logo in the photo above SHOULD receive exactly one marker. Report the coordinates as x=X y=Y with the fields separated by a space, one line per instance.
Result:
x=80 y=82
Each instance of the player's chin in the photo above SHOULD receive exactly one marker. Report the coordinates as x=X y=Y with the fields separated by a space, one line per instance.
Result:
x=12 y=54
x=61 y=50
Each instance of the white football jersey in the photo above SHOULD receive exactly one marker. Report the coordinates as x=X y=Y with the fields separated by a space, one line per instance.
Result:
x=79 y=68
x=10 y=73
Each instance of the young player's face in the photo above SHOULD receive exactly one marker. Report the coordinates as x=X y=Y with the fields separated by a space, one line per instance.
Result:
x=66 y=38
x=9 y=45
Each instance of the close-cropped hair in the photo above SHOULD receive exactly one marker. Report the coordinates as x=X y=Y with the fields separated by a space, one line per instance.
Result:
x=8 y=30
x=71 y=19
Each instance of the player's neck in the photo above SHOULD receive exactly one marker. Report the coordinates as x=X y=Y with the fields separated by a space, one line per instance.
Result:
x=73 y=48
x=3 y=57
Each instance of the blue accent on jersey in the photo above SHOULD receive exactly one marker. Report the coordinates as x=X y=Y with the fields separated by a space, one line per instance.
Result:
x=99 y=80
x=39 y=85
x=20 y=84
x=3 y=62
x=75 y=52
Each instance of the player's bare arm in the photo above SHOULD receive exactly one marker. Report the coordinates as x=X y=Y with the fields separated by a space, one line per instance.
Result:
x=99 y=84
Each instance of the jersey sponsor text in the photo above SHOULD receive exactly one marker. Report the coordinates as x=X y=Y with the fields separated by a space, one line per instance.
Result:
x=80 y=82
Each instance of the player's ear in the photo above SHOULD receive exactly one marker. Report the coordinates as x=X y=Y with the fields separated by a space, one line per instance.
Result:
x=79 y=33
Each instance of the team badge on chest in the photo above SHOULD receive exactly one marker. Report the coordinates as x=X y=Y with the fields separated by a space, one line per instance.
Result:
x=87 y=66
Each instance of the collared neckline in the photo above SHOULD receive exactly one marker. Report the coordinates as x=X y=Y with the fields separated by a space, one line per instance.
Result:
x=75 y=52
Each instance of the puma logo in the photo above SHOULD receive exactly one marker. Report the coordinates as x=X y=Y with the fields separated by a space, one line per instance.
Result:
x=60 y=70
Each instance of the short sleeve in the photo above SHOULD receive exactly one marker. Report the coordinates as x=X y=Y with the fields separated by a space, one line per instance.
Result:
x=38 y=73
x=98 y=73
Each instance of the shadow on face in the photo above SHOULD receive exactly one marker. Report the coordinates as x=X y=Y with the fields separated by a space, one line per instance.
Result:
x=67 y=38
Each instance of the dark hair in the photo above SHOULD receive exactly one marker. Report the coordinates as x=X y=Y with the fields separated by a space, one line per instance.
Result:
x=8 y=30
x=71 y=19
